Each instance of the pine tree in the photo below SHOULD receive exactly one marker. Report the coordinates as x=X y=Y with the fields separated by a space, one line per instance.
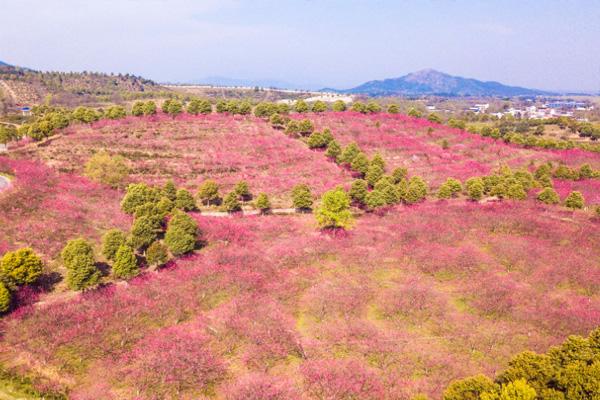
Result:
x=575 y=200
x=125 y=265
x=374 y=173
x=263 y=203
x=374 y=200
x=398 y=174
x=144 y=231
x=302 y=197
x=21 y=267
x=548 y=196
x=339 y=106
x=360 y=164
x=184 y=200
x=349 y=153
x=358 y=191
x=333 y=150
x=111 y=241
x=450 y=188
x=170 y=190
x=333 y=211
x=242 y=190
x=209 y=192
x=157 y=254
x=417 y=190
x=5 y=298
x=475 y=188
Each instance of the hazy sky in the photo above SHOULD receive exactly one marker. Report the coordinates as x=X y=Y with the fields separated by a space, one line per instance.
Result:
x=543 y=44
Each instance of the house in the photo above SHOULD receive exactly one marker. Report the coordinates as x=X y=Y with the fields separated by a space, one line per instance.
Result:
x=26 y=111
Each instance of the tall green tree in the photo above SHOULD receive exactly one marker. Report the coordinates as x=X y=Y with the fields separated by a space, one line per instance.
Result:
x=334 y=210
x=125 y=265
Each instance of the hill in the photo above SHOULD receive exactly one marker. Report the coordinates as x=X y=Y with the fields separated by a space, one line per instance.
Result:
x=432 y=82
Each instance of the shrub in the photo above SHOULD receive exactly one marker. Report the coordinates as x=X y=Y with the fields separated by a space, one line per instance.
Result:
x=209 y=192
x=76 y=248
x=333 y=211
x=265 y=109
x=115 y=112
x=516 y=191
x=300 y=106
x=157 y=254
x=277 y=121
x=144 y=231
x=174 y=108
x=137 y=109
x=184 y=200
x=231 y=203
x=304 y=127
x=150 y=108
x=388 y=190
x=151 y=211
x=450 y=188
x=575 y=200
x=393 y=109
x=548 y=196
x=302 y=197
x=21 y=267
x=374 y=200
x=5 y=298
x=598 y=211
x=185 y=222
x=178 y=240
x=319 y=106
x=170 y=190
x=413 y=112
x=469 y=388
x=543 y=170
x=374 y=173
x=358 y=191
x=107 y=169
x=399 y=174
x=378 y=160
x=349 y=153
x=357 y=106
x=517 y=390
x=434 y=118
x=125 y=265
x=333 y=150
x=263 y=203
x=111 y=241
x=242 y=190
x=339 y=106
x=586 y=171
x=475 y=188
x=138 y=194
x=317 y=141
x=198 y=106
x=373 y=107
x=564 y=172
x=360 y=164
x=82 y=272
x=85 y=115
x=417 y=190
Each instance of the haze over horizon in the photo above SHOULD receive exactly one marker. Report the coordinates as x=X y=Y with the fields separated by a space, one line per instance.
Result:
x=312 y=43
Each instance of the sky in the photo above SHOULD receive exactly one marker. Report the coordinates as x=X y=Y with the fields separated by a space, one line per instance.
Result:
x=549 y=44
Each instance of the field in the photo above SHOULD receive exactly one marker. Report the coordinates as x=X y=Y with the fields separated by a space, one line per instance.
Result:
x=407 y=300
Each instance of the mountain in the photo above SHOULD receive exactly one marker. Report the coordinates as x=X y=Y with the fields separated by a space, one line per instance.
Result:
x=3 y=64
x=431 y=82
x=263 y=83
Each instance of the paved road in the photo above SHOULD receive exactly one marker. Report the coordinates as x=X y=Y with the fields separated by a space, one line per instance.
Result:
x=4 y=183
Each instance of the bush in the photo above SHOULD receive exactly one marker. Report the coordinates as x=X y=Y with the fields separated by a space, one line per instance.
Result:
x=184 y=200
x=358 y=191
x=374 y=200
x=107 y=169
x=5 y=298
x=185 y=222
x=76 y=248
x=475 y=188
x=360 y=164
x=349 y=153
x=374 y=173
x=393 y=109
x=373 y=107
x=564 y=172
x=231 y=203
x=174 y=108
x=263 y=203
x=265 y=109
x=434 y=118
x=302 y=197
x=339 y=106
x=125 y=265
x=378 y=160
x=111 y=241
x=157 y=254
x=115 y=112
x=21 y=267
x=138 y=194
x=198 y=106
x=178 y=240
x=357 y=106
x=575 y=200
x=389 y=191
x=319 y=106
x=209 y=192
x=242 y=190
x=137 y=109
x=78 y=257
x=450 y=188
x=333 y=150
x=516 y=191
x=300 y=106
x=417 y=190
x=586 y=172
x=150 y=108
x=413 y=112
x=277 y=121
x=317 y=140
x=333 y=211
x=151 y=211
x=144 y=231
x=169 y=190
x=399 y=174
x=469 y=388
x=548 y=196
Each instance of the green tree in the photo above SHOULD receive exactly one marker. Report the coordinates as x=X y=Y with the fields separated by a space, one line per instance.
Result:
x=138 y=108
x=469 y=388
x=339 y=106
x=138 y=194
x=333 y=211
x=76 y=248
x=475 y=188
x=333 y=150
x=242 y=190
x=575 y=200
x=586 y=171
x=21 y=267
x=150 y=108
x=399 y=174
x=170 y=190
x=107 y=169
x=374 y=174
x=517 y=390
x=164 y=207
x=358 y=191
x=450 y=188
x=277 y=121
x=548 y=196
x=417 y=190
x=209 y=192
x=175 y=108
x=144 y=231
x=302 y=197
x=165 y=106
x=157 y=254
x=374 y=200
x=263 y=203
x=433 y=117
x=373 y=107
x=357 y=106
x=231 y=202
x=319 y=106
x=413 y=112
x=316 y=140
x=393 y=109
x=111 y=241
x=349 y=153
x=389 y=191
x=78 y=257
x=181 y=235
x=115 y=112
x=378 y=160
x=5 y=298
x=360 y=164
x=125 y=265
x=300 y=106
x=184 y=200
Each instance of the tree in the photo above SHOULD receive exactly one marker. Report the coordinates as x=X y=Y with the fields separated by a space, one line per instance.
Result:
x=21 y=267
x=157 y=254
x=231 y=203
x=138 y=108
x=517 y=390
x=333 y=150
x=170 y=190
x=175 y=108
x=389 y=191
x=316 y=140
x=374 y=200
x=184 y=200
x=165 y=106
x=199 y=106
x=107 y=169
x=393 y=109
x=302 y=197
x=469 y=388
x=413 y=112
x=138 y=194
x=242 y=190
x=373 y=107
x=5 y=298
x=164 y=207
x=349 y=153
x=301 y=106
x=244 y=108
x=450 y=188
x=475 y=188
x=339 y=106
x=185 y=222
x=575 y=200
x=125 y=265
x=548 y=196
x=433 y=117
x=333 y=211
x=150 y=108
x=115 y=112
x=181 y=234
x=266 y=109
x=144 y=231
x=277 y=121
x=358 y=191
x=417 y=190
x=319 y=106
x=263 y=203
x=399 y=174
x=78 y=257
x=378 y=160
x=586 y=171
x=208 y=192
x=357 y=106
x=111 y=241
x=374 y=173
x=360 y=163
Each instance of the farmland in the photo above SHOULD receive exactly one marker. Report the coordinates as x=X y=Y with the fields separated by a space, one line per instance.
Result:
x=409 y=298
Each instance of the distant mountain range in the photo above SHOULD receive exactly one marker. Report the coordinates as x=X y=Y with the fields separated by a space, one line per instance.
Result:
x=432 y=82
x=3 y=64
x=263 y=83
